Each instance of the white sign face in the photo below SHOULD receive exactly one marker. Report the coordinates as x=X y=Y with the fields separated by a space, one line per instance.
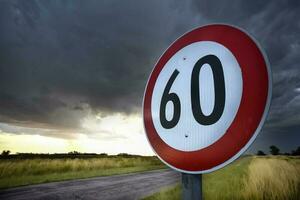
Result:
x=176 y=114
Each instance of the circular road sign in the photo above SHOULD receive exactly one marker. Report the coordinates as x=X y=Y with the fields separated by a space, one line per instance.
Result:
x=207 y=98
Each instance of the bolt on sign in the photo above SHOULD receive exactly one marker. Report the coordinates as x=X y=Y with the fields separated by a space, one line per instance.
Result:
x=207 y=98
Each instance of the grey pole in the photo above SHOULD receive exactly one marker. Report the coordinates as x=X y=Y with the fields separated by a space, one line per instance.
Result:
x=191 y=186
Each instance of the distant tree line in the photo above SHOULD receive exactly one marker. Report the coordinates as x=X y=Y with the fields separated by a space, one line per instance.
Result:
x=274 y=150
x=5 y=153
x=72 y=154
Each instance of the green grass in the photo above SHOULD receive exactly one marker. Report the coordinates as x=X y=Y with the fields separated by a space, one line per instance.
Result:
x=226 y=183
x=17 y=172
x=172 y=192
x=257 y=178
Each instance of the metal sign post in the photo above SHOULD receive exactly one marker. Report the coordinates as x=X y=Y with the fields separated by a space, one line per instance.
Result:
x=191 y=186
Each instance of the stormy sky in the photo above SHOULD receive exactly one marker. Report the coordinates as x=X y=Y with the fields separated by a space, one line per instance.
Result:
x=65 y=62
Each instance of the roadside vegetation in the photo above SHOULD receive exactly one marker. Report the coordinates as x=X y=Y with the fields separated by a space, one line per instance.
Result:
x=260 y=177
x=217 y=185
x=248 y=178
x=273 y=178
x=26 y=169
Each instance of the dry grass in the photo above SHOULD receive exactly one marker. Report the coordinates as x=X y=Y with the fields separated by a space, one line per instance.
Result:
x=46 y=166
x=16 y=172
x=249 y=178
x=271 y=178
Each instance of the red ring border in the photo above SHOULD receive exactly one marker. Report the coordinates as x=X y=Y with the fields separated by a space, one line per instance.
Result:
x=252 y=106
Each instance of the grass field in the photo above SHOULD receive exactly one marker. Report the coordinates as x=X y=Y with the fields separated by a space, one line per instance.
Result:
x=249 y=178
x=17 y=172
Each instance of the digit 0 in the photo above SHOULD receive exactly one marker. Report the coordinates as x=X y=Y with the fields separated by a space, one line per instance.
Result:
x=219 y=85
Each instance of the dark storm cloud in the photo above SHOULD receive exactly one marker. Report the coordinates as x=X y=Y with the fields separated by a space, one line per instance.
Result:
x=59 y=55
x=59 y=58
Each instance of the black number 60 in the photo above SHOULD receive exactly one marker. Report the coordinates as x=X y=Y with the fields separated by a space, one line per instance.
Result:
x=219 y=87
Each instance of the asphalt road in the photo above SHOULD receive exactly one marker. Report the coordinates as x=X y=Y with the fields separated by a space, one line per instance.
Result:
x=130 y=186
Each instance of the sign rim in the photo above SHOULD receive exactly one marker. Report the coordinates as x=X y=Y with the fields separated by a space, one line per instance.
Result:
x=263 y=117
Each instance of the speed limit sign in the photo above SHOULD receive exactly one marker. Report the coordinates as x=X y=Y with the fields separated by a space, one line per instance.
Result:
x=207 y=98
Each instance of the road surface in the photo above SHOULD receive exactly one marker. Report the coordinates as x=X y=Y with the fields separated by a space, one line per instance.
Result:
x=130 y=186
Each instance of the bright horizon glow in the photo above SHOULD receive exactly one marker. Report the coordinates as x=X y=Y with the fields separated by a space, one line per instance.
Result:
x=111 y=134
